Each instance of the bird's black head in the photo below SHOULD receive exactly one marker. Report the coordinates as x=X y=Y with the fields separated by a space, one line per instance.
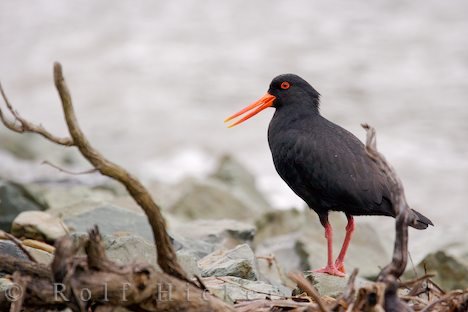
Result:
x=285 y=91
x=289 y=89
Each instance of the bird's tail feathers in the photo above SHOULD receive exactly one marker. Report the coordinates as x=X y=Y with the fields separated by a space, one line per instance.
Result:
x=418 y=221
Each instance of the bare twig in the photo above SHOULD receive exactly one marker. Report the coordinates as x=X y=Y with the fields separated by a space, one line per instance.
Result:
x=10 y=264
x=92 y=170
x=416 y=280
x=413 y=298
x=26 y=126
x=445 y=298
x=346 y=299
x=305 y=285
x=201 y=285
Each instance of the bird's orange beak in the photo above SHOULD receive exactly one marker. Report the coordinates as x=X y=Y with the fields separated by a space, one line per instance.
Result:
x=254 y=108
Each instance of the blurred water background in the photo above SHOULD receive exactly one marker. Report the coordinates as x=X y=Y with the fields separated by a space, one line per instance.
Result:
x=152 y=82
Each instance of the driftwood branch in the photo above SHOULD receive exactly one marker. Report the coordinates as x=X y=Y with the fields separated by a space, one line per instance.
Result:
x=167 y=259
x=92 y=170
x=305 y=285
x=97 y=276
x=21 y=125
x=345 y=301
x=390 y=273
x=93 y=281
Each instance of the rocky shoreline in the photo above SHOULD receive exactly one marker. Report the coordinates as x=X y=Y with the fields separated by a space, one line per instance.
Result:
x=222 y=228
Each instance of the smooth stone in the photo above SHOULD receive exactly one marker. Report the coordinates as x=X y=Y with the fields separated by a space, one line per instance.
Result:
x=110 y=219
x=333 y=286
x=230 y=192
x=288 y=250
x=271 y=272
x=209 y=199
x=124 y=248
x=281 y=222
x=38 y=225
x=21 y=147
x=202 y=237
x=64 y=194
x=7 y=247
x=242 y=183
x=41 y=256
x=451 y=272
x=239 y=262
x=14 y=199
x=231 y=289
x=189 y=263
x=370 y=250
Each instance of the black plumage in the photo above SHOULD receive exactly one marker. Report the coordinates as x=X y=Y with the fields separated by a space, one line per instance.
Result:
x=324 y=164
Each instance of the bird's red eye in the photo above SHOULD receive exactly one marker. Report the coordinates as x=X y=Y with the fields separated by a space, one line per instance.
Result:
x=285 y=85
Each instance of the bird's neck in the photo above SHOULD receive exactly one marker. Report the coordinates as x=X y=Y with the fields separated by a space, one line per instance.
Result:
x=296 y=111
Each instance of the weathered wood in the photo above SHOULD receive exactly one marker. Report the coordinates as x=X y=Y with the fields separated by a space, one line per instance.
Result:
x=91 y=281
x=146 y=286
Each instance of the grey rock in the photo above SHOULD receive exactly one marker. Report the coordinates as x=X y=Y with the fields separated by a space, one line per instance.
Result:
x=14 y=199
x=125 y=248
x=280 y=222
x=9 y=248
x=451 y=272
x=239 y=262
x=288 y=254
x=368 y=251
x=288 y=250
x=20 y=147
x=188 y=262
x=29 y=146
x=38 y=225
x=229 y=193
x=231 y=289
x=272 y=273
x=333 y=286
x=209 y=200
x=241 y=182
x=40 y=256
x=202 y=237
x=110 y=219
x=128 y=235
x=66 y=194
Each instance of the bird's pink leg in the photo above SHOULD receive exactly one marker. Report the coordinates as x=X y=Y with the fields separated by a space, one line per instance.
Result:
x=330 y=268
x=339 y=263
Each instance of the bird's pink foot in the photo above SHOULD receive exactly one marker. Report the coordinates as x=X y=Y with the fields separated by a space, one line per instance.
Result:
x=340 y=266
x=330 y=269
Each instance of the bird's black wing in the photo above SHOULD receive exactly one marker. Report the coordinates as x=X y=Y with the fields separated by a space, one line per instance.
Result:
x=336 y=170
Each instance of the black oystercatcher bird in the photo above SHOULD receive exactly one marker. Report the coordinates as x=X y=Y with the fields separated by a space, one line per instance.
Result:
x=321 y=162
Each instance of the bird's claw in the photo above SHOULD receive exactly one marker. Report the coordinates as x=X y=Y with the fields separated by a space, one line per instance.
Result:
x=330 y=269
